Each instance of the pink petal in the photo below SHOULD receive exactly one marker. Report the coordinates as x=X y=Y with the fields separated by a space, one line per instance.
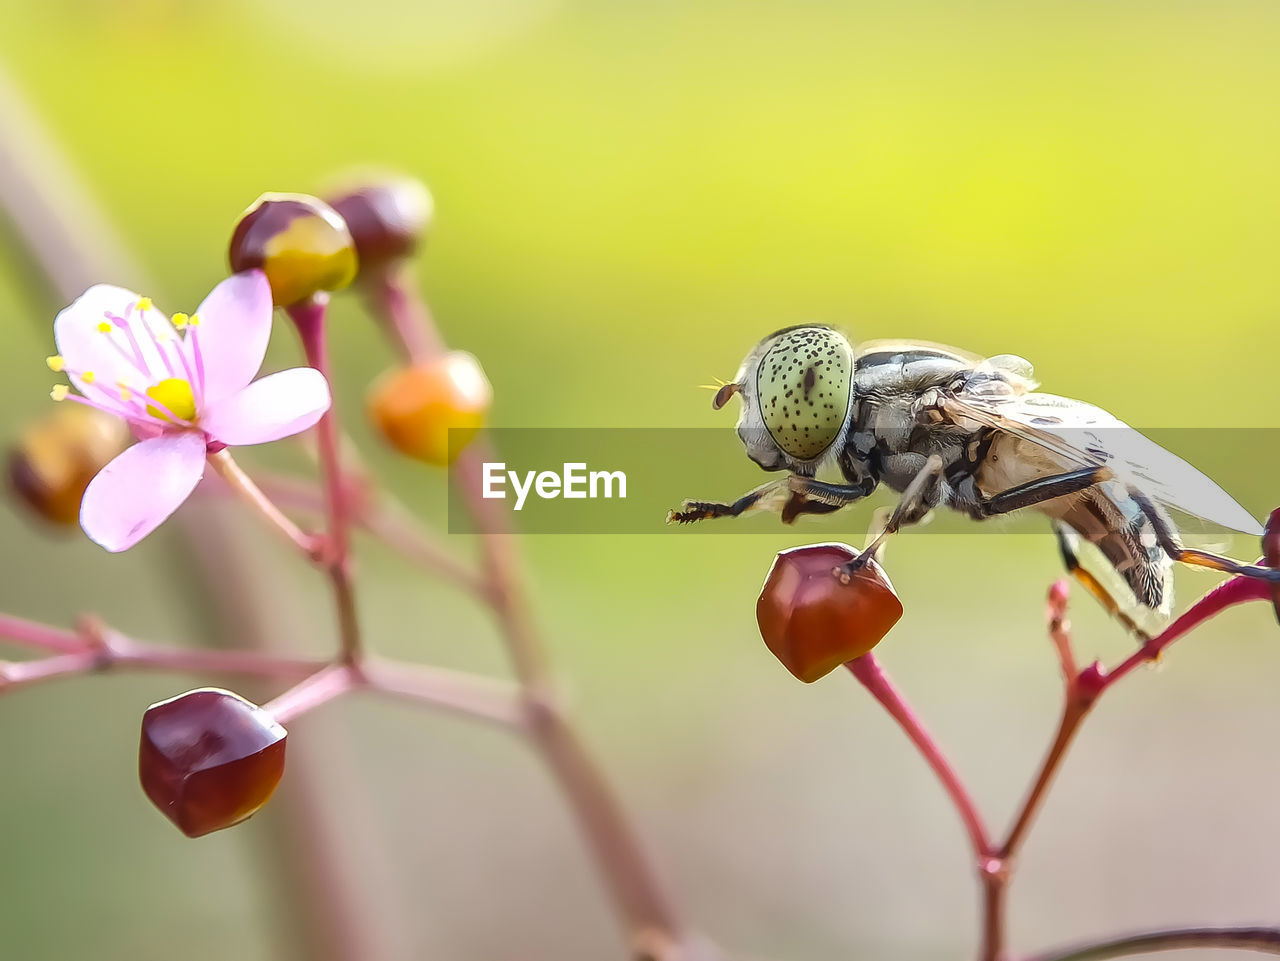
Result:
x=275 y=406
x=136 y=492
x=235 y=326
x=108 y=355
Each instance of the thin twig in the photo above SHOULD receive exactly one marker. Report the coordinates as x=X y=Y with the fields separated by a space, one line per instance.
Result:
x=654 y=927
x=1261 y=940
x=309 y=318
x=251 y=494
x=869 y=673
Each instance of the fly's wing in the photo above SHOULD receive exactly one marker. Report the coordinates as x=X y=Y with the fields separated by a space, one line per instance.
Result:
x=1088 y=436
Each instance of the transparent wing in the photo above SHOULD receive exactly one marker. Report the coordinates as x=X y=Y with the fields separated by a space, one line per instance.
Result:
x=1089 y=436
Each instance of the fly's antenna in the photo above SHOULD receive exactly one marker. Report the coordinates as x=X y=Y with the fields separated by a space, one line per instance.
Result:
x=724 y=390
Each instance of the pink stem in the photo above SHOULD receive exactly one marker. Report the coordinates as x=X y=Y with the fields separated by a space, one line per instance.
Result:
x=40 y=636
x=868 y=671
x=1238 y=590
x=320 y=688
x=652 y=921
x=467 y=694
x=309 y=317
x=1084 y=687
x=395 y=301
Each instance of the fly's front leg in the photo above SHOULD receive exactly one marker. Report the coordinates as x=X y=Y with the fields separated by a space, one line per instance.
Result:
x=791 y=496
x=917 y=499
x=1168 y=541
x=809 y=496
x=770 y=496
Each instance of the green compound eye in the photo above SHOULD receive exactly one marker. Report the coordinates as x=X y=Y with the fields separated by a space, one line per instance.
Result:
x=804 y=381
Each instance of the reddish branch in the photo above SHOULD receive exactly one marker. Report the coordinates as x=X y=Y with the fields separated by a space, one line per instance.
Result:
x=1081 y=690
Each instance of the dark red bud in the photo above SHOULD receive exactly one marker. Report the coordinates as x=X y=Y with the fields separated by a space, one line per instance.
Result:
x=1271 y=553
x=388 y=215
x=812 y=621
x=209 y=759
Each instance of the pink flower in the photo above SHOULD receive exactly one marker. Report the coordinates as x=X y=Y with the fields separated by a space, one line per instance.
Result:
x=186 y=388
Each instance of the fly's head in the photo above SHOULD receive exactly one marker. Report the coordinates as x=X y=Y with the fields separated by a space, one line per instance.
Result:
x=797 y=393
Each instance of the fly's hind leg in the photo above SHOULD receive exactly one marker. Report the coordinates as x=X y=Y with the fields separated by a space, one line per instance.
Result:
x=1067 y=541
x=1168 y=541
x=917 y=499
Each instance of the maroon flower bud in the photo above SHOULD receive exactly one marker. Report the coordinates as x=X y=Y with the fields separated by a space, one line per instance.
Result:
x=59 y=454
x=209 y=759
x=1271 y=553
x=812 y=620
x=301 y=244
x=387 y=214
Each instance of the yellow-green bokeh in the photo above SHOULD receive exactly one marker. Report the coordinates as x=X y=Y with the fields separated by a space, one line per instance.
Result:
x=628 y=196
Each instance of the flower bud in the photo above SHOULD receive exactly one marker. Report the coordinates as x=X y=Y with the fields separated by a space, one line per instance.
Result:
x=1271 y=553
x=299 y=242
x=812 y=621
x=387 y=214
x=430 y=411
x=209 y=759
x=59 y=454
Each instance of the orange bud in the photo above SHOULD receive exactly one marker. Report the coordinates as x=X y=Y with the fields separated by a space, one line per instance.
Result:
x=59 y=454
x=431 y=410
x=812 y=621
x=299 y=242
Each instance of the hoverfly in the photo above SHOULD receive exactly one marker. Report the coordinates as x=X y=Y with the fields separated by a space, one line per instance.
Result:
x=944 y=428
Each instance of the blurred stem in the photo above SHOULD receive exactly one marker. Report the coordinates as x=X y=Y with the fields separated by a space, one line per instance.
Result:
x=1261 y=940
x=59 y=225
x=655 y=928
x=394 y=299
x=309 y=317
x=252 y=494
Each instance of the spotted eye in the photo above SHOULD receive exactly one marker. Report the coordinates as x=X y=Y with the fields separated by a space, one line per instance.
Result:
x=804 y=382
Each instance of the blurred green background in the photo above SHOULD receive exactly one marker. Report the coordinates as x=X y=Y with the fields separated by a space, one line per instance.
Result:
x=628 y=197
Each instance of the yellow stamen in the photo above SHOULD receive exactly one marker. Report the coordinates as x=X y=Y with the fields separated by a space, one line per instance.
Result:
x=194 y=320
x=88 y=377
x=176 y=395
x=180 y=321
x=105 y=327
x=59 y=391
x=144 y=303
x=56 y=363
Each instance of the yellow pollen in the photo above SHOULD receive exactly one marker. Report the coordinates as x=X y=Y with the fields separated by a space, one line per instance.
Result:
x=194 y=320
x=180 y=321
x=59 y=392
x=176 y=395
x=144 y=303
x=56 y=363
x=125 y=393
x=88 y=377
x=105 y=327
